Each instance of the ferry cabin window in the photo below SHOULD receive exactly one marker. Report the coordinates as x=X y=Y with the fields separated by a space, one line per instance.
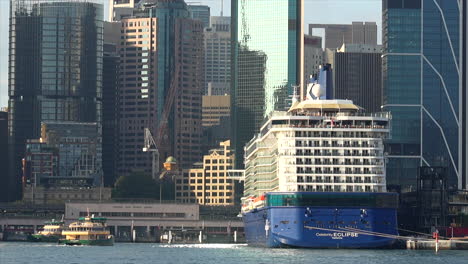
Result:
x=356 y=200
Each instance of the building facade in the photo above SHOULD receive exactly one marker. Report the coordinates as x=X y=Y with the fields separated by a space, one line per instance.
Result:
x=216 y=120
x=218 y=56
x=66 y=154
x=464 y=96
x=161 y=85
x=4 y=177
x=358 y=75
x=313 y=55
x=421 y=78
x=209 y=184
x=356 y=33
x=200 y=13
x=267 y=42
x=55 y=68
x=110 y=113
x=119 y=9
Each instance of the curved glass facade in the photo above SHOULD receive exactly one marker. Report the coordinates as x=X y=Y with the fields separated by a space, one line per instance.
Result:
x=264 y=62
x=55 y=70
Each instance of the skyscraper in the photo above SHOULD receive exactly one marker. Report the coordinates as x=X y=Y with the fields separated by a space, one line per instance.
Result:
x=119 y=9
x=110 y=112
x=421 y=78
x=356 y=33
x=218 y=57
x=161 y=84
x=4 y=177
x=358 y=75
x=200 y=13
x=266 y=56
x=55 y=55
x=464 y=96
x=313 y=55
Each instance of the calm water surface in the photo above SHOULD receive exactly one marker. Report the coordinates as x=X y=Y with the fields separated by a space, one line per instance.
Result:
x=39 y=253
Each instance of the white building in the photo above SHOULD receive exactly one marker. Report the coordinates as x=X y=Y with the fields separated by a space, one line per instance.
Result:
x=318 y=146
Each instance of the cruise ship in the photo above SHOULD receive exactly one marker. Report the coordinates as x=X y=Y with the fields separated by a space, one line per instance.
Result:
x=315 y=178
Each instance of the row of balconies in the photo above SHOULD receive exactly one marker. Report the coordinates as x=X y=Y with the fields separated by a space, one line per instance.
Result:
x=338 y=188
x=328 y=179
x=336 y=171
x=335 y=144
x=308 y=152
x=328 y=162
x=333 y=134
x=306 y=125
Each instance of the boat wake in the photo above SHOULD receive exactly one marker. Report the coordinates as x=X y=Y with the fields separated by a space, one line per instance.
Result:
x=201 y=245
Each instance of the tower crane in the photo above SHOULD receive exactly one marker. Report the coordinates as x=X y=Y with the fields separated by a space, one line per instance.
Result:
x=150 y=146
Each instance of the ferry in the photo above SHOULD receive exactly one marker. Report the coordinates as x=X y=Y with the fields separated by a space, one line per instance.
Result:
x=51 y=232
x=88 y=230
x=315 y=178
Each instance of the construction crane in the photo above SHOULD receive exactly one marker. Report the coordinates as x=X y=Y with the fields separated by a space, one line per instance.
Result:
x=150 y=146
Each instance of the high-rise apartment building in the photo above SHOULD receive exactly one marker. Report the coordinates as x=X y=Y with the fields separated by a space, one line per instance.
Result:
x=200 y=13
x=55 y=68
x=358 y=75
x=218 y=57
x=161 y=85
x=356 y=33
x=421 y=78
x=267 y=42
x=209 y=184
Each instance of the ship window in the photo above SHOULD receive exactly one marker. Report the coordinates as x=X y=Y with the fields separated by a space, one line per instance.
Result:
x=284 y=222
x=386 y=200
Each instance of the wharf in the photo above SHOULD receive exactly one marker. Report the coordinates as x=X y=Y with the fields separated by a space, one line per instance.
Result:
x=132 y=221
x=444 y=244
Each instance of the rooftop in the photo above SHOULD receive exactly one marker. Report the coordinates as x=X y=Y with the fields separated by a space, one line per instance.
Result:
x=324 y=105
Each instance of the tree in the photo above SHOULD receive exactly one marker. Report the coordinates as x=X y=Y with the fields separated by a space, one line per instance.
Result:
x=136 y=185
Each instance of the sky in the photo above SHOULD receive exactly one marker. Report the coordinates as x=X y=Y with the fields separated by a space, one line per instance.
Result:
x=316 y=11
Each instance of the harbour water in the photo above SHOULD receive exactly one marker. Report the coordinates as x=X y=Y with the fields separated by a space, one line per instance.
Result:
x=41 y=253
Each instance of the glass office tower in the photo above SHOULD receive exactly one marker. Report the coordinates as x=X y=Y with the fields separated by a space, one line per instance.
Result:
x=265 y=61
x=55 y=67
x=421 y=74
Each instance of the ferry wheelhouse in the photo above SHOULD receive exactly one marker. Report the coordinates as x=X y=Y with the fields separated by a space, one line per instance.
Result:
x=51 y=232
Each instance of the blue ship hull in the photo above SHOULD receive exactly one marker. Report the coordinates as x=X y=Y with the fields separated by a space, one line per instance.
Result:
x=321 y=227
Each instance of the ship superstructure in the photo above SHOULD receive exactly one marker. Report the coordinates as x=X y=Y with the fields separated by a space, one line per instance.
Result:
x=318 y=146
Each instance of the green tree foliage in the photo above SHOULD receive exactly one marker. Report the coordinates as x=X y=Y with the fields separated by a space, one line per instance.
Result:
x=136 y=185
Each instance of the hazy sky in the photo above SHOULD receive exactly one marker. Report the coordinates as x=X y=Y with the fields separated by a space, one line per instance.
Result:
x=316 y=11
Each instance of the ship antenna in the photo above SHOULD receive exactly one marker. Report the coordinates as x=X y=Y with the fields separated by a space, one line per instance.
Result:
x=295 y=99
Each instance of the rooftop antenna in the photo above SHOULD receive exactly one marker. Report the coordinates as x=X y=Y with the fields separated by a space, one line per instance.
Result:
x=222 y=5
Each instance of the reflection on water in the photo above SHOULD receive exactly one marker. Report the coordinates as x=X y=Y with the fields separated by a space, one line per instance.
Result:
x=43 y=253
x=200 y=245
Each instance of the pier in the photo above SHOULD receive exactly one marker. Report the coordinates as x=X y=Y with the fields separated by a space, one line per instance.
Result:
x=133 y=222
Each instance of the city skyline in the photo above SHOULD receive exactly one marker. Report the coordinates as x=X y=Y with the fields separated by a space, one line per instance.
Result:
x=336 y=11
